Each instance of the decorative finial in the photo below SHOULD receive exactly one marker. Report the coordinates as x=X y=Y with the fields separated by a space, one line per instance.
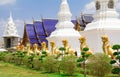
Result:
x=64 y=0
x=10 y=18
x=33 y=19
x=10 y=14
x=24 y=22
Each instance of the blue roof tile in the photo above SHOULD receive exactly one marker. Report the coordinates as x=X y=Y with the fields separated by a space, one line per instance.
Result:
x=31 y=33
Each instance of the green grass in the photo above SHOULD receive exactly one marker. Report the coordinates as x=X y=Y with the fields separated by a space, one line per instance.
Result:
x=11 y=70
x=112 y=75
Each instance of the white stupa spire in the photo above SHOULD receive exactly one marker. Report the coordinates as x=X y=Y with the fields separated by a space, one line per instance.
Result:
x=10 y=18
x=64 y=28
x=10 y=30
x=64 y=16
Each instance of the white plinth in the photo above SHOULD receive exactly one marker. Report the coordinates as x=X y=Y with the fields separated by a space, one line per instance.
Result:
x=70 y=34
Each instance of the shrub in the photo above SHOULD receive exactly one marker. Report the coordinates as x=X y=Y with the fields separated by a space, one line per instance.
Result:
x=116 y=70
x=50 y=64
x=9 y=58
x=28 y=61
x=2 y=55
x=37 y=63
x=81 y=71
x=68 y=65
x=25 y=61
x=19 y=58
x=99 y=65
x=44 y=52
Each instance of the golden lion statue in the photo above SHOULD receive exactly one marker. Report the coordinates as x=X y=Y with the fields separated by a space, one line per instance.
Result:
x=36 y=50
x=83 y=44
x=110 y=51
x=20 y=48
x=106 y=43
x=54 y=49
x=44 y=48
x=29 y=51
x=68 y=50
x=107 y=48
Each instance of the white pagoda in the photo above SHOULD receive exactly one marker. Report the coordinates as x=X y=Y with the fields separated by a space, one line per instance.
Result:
x=10 y=35
x=65 y=29
x=105 y=21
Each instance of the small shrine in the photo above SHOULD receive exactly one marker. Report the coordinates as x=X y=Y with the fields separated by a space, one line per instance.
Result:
x=10 y=35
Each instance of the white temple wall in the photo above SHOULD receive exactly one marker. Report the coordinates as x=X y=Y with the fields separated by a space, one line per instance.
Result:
x=94 y=40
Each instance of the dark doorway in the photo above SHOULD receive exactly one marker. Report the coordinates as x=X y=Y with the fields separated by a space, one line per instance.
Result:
x=8 y=43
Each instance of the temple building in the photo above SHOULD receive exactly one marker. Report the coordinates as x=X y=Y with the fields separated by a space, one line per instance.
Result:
x=10 y=36
x=56 y=30
x=104 y=22
x=39 y=30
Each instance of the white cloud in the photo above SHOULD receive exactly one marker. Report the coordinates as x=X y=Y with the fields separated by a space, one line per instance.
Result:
x=2 y=26
x=20 y=26
x=5 y=2
x=90 y=8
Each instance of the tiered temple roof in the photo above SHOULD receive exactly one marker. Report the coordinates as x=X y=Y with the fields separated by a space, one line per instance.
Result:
x=39 y=30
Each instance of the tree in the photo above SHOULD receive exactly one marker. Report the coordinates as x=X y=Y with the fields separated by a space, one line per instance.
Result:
x=116 y=47
x=116 y=70
x=62 y=49
x=99 y=65
x=82 y=60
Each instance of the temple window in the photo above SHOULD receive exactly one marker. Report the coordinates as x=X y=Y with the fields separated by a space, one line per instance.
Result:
x=111 y=4
x=97 y=5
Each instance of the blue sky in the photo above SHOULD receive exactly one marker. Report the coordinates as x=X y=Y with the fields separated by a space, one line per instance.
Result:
x=26 y=9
